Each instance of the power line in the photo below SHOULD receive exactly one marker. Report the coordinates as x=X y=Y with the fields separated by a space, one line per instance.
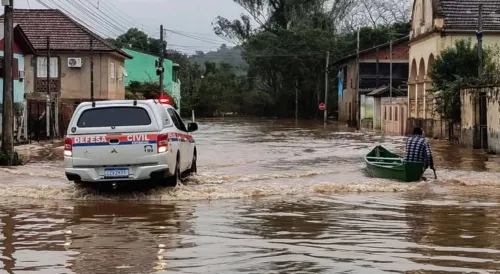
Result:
x=69 y=14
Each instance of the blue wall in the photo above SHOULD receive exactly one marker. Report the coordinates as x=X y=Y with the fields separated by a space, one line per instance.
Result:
x=18 y=85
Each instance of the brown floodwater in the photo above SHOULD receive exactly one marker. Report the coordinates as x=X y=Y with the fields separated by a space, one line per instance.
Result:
x=271 y=196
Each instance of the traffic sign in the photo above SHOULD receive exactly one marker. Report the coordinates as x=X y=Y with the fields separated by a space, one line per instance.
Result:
x=322 y=106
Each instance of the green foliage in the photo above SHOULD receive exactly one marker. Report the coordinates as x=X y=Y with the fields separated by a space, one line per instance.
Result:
x=457 y=68
x=288 y=50
x=143 y=90
x=224 y=54
x=10 y=158
x=137 y=40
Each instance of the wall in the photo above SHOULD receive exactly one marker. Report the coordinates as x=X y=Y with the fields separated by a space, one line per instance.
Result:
x=19 y=83
x=348 y=94
x=467 y=114
x=399 y=52
x=394 y=115
x=367 y=104
x=423 y=52
x=75 y=82
x=116 y=86
x=142 y=68
x=493 y=114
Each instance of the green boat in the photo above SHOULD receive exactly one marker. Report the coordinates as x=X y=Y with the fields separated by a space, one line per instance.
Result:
x=382 y=163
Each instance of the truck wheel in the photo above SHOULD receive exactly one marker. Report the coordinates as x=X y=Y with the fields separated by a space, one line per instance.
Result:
x=194 y=168
x=175 y=180
x=81 y=184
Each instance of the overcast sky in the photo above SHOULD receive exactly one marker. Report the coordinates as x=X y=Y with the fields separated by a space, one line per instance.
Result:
x=187 y=17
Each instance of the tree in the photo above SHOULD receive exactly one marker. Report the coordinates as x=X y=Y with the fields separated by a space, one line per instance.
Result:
x=137 y=40
x=376 y=13
x=457 y=68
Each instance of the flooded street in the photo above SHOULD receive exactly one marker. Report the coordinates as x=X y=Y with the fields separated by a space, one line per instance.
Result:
x=270 y=197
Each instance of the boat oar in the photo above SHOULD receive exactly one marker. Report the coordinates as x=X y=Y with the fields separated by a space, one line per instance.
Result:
x=435 y=176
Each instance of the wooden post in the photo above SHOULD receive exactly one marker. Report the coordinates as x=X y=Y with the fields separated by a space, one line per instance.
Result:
x=390 y=70
x=47 y=106
x=7 y=148
x=160 y=65
x=91 y=68
x=480 y=40
x=296 y=99
x=358 y=94
x=56 y=116
x=325 y=112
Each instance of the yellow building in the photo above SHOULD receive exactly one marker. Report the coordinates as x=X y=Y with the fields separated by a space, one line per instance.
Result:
x=436 y=25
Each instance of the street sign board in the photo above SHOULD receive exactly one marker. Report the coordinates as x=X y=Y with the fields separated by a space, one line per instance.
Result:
x=322 y=106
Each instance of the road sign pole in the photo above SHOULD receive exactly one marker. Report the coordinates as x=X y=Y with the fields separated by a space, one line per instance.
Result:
x=325 y=112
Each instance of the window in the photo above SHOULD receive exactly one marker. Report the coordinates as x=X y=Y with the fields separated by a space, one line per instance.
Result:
x=385 y=113
x=176 y=119
x=41 y=67
x=396 y=114
x=390 y=113
x=114 y=117
x=113 y=70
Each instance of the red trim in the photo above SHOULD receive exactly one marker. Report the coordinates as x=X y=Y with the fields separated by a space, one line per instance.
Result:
x=15 y=47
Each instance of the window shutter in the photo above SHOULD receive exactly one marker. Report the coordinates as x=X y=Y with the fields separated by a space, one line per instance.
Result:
x=54 y=67
x=15 y=69
x=41 y=67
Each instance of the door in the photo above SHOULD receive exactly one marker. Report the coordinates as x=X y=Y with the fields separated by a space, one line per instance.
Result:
x=182 y=139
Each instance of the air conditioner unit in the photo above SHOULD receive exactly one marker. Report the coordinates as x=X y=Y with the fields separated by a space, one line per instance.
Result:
x=22 y=74
x=74 y=62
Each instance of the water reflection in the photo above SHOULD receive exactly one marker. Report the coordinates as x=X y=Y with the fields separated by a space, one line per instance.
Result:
x=135 y=238
x=459 y=234
x=417 y=232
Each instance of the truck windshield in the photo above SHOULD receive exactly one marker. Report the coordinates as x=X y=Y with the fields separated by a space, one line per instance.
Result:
x=114 y=117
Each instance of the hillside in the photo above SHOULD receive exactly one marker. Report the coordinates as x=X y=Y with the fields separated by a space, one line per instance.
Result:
x=230 y=55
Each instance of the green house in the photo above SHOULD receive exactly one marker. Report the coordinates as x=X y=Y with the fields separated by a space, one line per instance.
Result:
x=142 y=69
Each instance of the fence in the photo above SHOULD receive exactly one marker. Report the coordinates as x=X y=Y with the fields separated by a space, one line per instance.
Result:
x=60 y=116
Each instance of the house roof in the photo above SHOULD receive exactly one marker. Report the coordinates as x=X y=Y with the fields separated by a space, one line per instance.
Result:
x=381 y=46
x=384 y=91
x=463 y=14
x=19 y=37
x=65 y=33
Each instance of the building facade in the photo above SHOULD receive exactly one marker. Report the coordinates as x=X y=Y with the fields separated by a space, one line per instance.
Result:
x=437 y=25
x=71 y=47
x=142 y=69
x=364 y=109
x=21 y=47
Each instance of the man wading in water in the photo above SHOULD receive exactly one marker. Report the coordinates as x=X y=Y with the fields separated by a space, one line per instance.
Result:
x=419 y=150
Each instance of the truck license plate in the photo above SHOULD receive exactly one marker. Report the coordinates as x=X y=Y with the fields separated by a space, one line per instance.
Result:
x=116 y=173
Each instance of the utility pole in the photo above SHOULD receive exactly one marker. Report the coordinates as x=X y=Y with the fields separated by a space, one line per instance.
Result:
x=390 y=70
x=377 y=69
x=91 y=68
x=296 y=99
x=358 y=95
x=47 y=106
x=8 y=87
x=160 y=70
x=325 y=111
x=479 y=35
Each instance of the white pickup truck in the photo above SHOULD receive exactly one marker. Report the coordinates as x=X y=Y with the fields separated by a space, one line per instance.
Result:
x=128 y=140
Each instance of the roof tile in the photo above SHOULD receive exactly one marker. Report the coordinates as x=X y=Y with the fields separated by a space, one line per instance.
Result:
x=463 y=14
x=64 y=32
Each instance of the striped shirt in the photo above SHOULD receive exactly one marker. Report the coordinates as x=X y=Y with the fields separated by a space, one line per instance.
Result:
x=418 y=150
